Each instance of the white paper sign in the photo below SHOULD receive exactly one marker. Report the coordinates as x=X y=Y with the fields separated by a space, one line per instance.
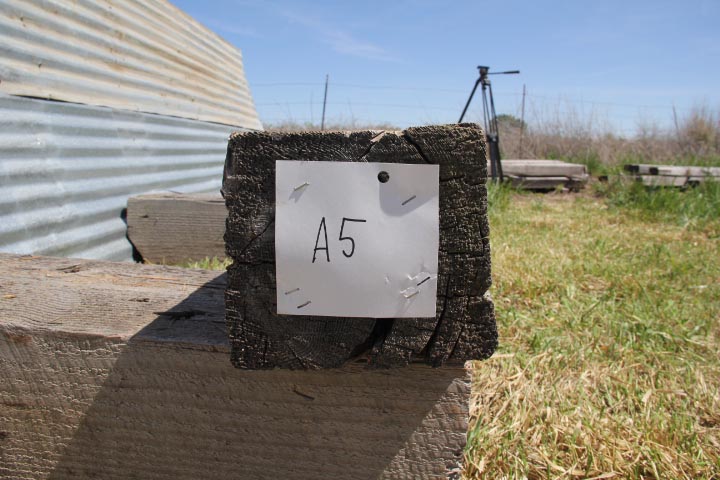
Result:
x=349 y=245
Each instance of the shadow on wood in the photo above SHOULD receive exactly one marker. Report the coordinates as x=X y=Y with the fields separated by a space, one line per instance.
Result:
x=123 y=371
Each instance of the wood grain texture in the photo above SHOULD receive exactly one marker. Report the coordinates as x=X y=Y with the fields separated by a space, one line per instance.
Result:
x=662 y=181
x=673 y=170
x=175 y=227
x=546 y=183
x=262 y=339
x=543 y=168
x=120 y=371
x=545 y=174
x=672 y=175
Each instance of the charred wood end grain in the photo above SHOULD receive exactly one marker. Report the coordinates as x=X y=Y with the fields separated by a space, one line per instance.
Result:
x=464 y=327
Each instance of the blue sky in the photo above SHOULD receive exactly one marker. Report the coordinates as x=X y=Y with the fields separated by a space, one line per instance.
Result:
x=611 y=64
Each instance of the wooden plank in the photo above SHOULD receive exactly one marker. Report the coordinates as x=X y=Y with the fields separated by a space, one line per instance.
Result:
x=119 y=371
x=672 y=175
x=262 y=339
x=545 y=174
x=673 y=170
x=543 y=168
x=175 y=228
x=641 y=169
x=662 y=181
x=544 y=183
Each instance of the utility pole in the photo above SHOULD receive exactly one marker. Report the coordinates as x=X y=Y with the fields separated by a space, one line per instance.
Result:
x=322 y=124
x=522 y=123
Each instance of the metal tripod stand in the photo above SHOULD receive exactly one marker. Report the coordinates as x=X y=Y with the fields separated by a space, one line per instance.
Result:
x=489 y=118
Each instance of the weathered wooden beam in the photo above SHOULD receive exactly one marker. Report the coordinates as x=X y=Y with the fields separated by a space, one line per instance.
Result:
x=464 y=327
x=545 y=174
x=673 y=170
x=545 y=183
x=175 y=227
x=672 y=175
x=679 y=171
x=119 y=371
x=543 y=168
x=662 y=180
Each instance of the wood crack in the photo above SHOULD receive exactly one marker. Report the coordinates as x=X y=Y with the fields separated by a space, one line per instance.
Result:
x=457 y=342
x=304 y=395
x=181 y=314
x=433 y=337
x=252 y=240
x=452 y=178
x=373 y=142
x=415 y=145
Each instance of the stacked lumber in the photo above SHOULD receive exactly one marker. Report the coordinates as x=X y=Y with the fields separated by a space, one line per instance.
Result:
x=671 y=175
x=464 y=326
x=118 y=370
x=175 y=227
x=545 y=174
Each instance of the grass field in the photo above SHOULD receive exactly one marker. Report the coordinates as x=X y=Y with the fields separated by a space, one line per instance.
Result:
x=608 y=308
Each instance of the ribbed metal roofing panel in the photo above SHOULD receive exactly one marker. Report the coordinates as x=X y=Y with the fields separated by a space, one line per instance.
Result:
x=140 y=55
x=67 y=170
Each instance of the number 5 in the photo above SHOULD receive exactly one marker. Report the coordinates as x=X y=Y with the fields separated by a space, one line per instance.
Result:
x=342 y=226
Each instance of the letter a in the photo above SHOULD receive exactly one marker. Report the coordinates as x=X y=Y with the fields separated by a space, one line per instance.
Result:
x=327 y=252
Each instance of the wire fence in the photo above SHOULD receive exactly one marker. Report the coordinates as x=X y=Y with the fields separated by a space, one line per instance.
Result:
x=622 y=118
x=550 y=126
x=466 y=91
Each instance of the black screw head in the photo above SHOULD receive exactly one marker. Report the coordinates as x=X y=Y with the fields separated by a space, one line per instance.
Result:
x=383 y=177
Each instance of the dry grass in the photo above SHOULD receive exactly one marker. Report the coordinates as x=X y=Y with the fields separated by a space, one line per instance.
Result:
x=609 y=327
x=583 y=138
x=208 y=263
x=345 y=125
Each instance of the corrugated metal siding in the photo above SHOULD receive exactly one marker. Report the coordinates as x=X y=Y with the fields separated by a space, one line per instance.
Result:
x=67 y=170
x=142 y=55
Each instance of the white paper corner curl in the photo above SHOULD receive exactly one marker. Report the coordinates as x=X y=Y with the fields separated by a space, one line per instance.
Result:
x=348 y=244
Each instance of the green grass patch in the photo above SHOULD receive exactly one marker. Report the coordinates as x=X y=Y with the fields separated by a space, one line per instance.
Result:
x=694 y=207
x=608 y=365
x=499 y=197
x=592 y=161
